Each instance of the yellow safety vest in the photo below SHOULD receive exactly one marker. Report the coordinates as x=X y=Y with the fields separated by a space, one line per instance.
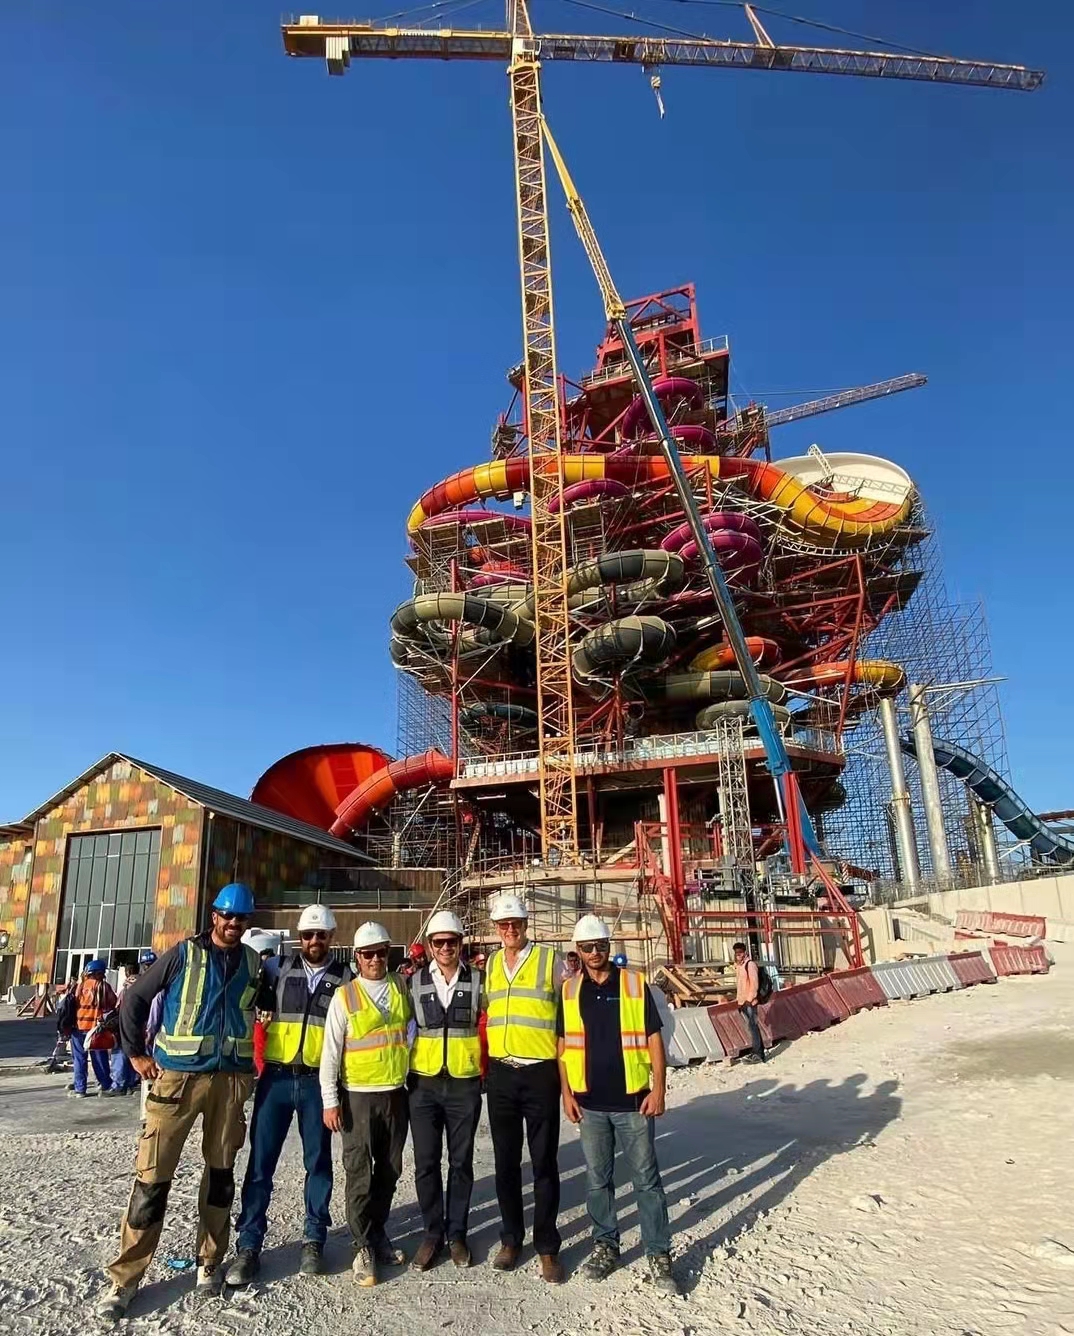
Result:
x=375 y=1050
x=296 y=1032
x=636 y=1060
x=446 y=1041
x=522 y=1010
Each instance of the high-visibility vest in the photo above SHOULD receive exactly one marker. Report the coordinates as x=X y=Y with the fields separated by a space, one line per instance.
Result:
x=447 y=1040
x=522 y=1010
x=297 y=1026
x=375 y=1051
x=636 y=1061
x=208 y=1016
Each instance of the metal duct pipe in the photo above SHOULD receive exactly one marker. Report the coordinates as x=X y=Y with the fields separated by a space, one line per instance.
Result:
x=930 y=785
x=905 y=840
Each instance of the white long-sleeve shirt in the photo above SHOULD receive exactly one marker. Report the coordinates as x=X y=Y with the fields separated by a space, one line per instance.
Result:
x=335 y=1035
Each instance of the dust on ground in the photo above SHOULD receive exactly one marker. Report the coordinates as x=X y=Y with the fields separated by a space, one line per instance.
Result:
x=906 y=1173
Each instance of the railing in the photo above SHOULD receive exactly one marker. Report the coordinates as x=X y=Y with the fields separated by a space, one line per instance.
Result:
x=621 y=370
x=795 y=941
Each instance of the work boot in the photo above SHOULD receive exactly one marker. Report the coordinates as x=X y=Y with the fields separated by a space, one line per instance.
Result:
x=244 y=1268
x=660 y=1273
x=427 y=1254
x=387 y=1254
x=552 y=1269
x=111 y=1092
x=506 y=1258
x=601 y=1262
x=460 y=1252
x=312 y=1258
x=364 y=1267
x=210 y=1278
x=113 y=1304
x=78 y=1094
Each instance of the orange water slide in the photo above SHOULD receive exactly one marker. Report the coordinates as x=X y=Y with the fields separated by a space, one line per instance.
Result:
x=310 y=784
x=430 y=767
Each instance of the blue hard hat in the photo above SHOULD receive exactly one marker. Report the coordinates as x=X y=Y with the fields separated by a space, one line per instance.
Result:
x=235 y=898
x=96 y=967
x=147 y=957
x=620 y=959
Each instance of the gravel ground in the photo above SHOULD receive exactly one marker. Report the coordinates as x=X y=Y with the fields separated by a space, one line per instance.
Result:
x=907 y=1172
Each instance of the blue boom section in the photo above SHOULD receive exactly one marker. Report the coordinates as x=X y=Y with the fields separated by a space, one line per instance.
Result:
x=992 y=789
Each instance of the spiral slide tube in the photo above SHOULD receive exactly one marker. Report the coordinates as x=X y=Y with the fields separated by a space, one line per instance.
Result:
x=432 y=610
x=431 y=767
x=763 y=652
x=888 y=678
x=622 y=643
x=994 y=790
x=720 y=686
x=831 y=523
x=737 y=709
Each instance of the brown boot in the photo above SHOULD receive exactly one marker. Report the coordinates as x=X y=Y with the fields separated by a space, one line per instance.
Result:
x=427 y=1254
x=506 y=1258
x=552 y=1269
x=460 y=1252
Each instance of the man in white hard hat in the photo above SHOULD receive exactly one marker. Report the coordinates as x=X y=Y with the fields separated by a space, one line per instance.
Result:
x=613 y=1071
x=367 y=1053
x=445 y=1089
x=293 y=1000
x=522 y=985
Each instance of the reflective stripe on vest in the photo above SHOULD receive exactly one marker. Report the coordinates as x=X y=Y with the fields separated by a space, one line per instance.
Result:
x=300 y=1026
x=443 y=1045
x=637 y=1064
x=184 y=1039
x=522 y=1010
x=375 y=1049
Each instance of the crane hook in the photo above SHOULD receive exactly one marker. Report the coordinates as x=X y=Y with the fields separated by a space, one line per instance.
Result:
x=655 y=84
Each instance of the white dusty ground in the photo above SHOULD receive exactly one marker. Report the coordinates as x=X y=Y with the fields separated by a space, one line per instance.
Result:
x=906 y=1172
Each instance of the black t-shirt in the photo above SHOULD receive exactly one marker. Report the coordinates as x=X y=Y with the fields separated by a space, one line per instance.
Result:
x=605 y=1073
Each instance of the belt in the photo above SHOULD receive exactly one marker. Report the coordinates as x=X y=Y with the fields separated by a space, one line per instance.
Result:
x=293 y=1068
x=520 y=1066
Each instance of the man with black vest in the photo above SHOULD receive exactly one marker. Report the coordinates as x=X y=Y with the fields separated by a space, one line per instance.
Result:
x=445 y=1089
x=293 y=999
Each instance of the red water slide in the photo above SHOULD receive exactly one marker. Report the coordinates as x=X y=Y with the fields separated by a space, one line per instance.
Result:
x=430 y=767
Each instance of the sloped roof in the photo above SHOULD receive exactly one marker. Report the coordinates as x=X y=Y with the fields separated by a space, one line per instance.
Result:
x=216 y=800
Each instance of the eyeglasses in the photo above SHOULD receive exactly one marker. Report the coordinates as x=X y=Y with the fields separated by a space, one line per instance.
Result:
x=443 y=943
x=516 y=924
x=229 y=917
x=315 y=935
x=592 y=948
x=378 y=953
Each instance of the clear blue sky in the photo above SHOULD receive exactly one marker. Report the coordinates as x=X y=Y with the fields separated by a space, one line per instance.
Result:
x=250 y=312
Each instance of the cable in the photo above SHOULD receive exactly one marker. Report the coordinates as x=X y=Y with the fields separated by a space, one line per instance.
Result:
x=636 y=18
x=449 y=8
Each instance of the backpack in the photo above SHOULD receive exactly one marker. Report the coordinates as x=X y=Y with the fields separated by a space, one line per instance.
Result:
x=764 y=984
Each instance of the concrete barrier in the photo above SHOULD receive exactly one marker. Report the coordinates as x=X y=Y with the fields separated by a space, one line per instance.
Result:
x=692 y=1037
x=904 y=979
x=971 y=967
x=858 y=989
x=794 y=1012
x=1010 y=925
x=1019 y=960
x=730 y=1027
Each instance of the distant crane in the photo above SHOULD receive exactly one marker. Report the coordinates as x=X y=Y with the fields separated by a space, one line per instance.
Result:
x=338 y=43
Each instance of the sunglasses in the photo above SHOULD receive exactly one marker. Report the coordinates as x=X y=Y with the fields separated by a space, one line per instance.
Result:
x=315 y=935
x=592 y=948
x=443 y=943
x=378 y=953
x=228 y=917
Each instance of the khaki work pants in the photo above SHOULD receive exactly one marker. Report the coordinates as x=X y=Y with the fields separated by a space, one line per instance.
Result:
x=172 y=1107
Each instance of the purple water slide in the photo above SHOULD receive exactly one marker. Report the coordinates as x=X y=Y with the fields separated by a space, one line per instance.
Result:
x=730 y=520
x=636 y=419
x=586 y=490
x=736 y=551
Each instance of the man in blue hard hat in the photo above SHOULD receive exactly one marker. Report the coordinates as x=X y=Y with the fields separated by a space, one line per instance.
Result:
x=201 y=1065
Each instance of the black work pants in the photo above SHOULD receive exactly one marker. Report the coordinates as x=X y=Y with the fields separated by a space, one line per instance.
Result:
x=439 y=1105
x=374 y=1134
x=526 y=1099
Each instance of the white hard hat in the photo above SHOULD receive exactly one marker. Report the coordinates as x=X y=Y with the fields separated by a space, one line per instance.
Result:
x=315 y=917
x=589 y=928
x=372 y=934
x=445 y=921
x=508 y=907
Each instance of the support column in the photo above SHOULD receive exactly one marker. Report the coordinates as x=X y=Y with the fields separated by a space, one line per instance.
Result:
x=986 y=838
x=905 y=841
x=930 y=785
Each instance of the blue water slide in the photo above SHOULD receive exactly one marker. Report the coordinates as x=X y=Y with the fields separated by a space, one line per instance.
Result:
x=992 y=789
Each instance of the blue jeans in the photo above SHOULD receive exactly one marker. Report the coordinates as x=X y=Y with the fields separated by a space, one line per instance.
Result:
x=124 y=1077
x=635 y=1136
x=99 y=1058
x=750 y=1013
x=280 y=1096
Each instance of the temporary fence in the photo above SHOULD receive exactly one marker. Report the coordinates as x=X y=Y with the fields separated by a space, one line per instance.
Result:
x=793 y=1012
x=1019 y=960
x=905 y=979
x=730 y=1027
x=971 y=967
x=1010 y=925
x=858 y=990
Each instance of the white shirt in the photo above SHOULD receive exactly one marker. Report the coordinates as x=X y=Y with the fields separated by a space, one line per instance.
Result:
x=559 y=973
x=443 y=985
x=335 y=1035
x=314 y=973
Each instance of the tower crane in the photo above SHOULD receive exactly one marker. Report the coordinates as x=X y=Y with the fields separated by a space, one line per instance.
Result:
x=338 y=43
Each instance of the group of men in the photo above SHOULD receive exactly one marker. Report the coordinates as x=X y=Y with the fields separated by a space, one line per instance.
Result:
x=373 y=1055
x=86 y=1019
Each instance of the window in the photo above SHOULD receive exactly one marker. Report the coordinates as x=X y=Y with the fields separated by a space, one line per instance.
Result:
x=109 y=895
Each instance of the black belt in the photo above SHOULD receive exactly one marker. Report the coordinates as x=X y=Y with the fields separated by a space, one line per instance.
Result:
x=293 y=1068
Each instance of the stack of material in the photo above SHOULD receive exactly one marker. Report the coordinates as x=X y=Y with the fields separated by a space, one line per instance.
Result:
x=695 y=985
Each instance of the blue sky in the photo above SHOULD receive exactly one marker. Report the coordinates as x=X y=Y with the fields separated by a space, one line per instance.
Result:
x=251 y=312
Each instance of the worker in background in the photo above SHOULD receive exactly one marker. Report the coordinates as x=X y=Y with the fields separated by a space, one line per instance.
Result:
x=293 y=997
x=152 y=1025
x=416 y=959
x=445 y=1089
x=522 y=986
x=614 y=1072
x=201 y=1065
x=366 y=1051
x=748 y=985
x=124 y=1077
x=94 y=999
